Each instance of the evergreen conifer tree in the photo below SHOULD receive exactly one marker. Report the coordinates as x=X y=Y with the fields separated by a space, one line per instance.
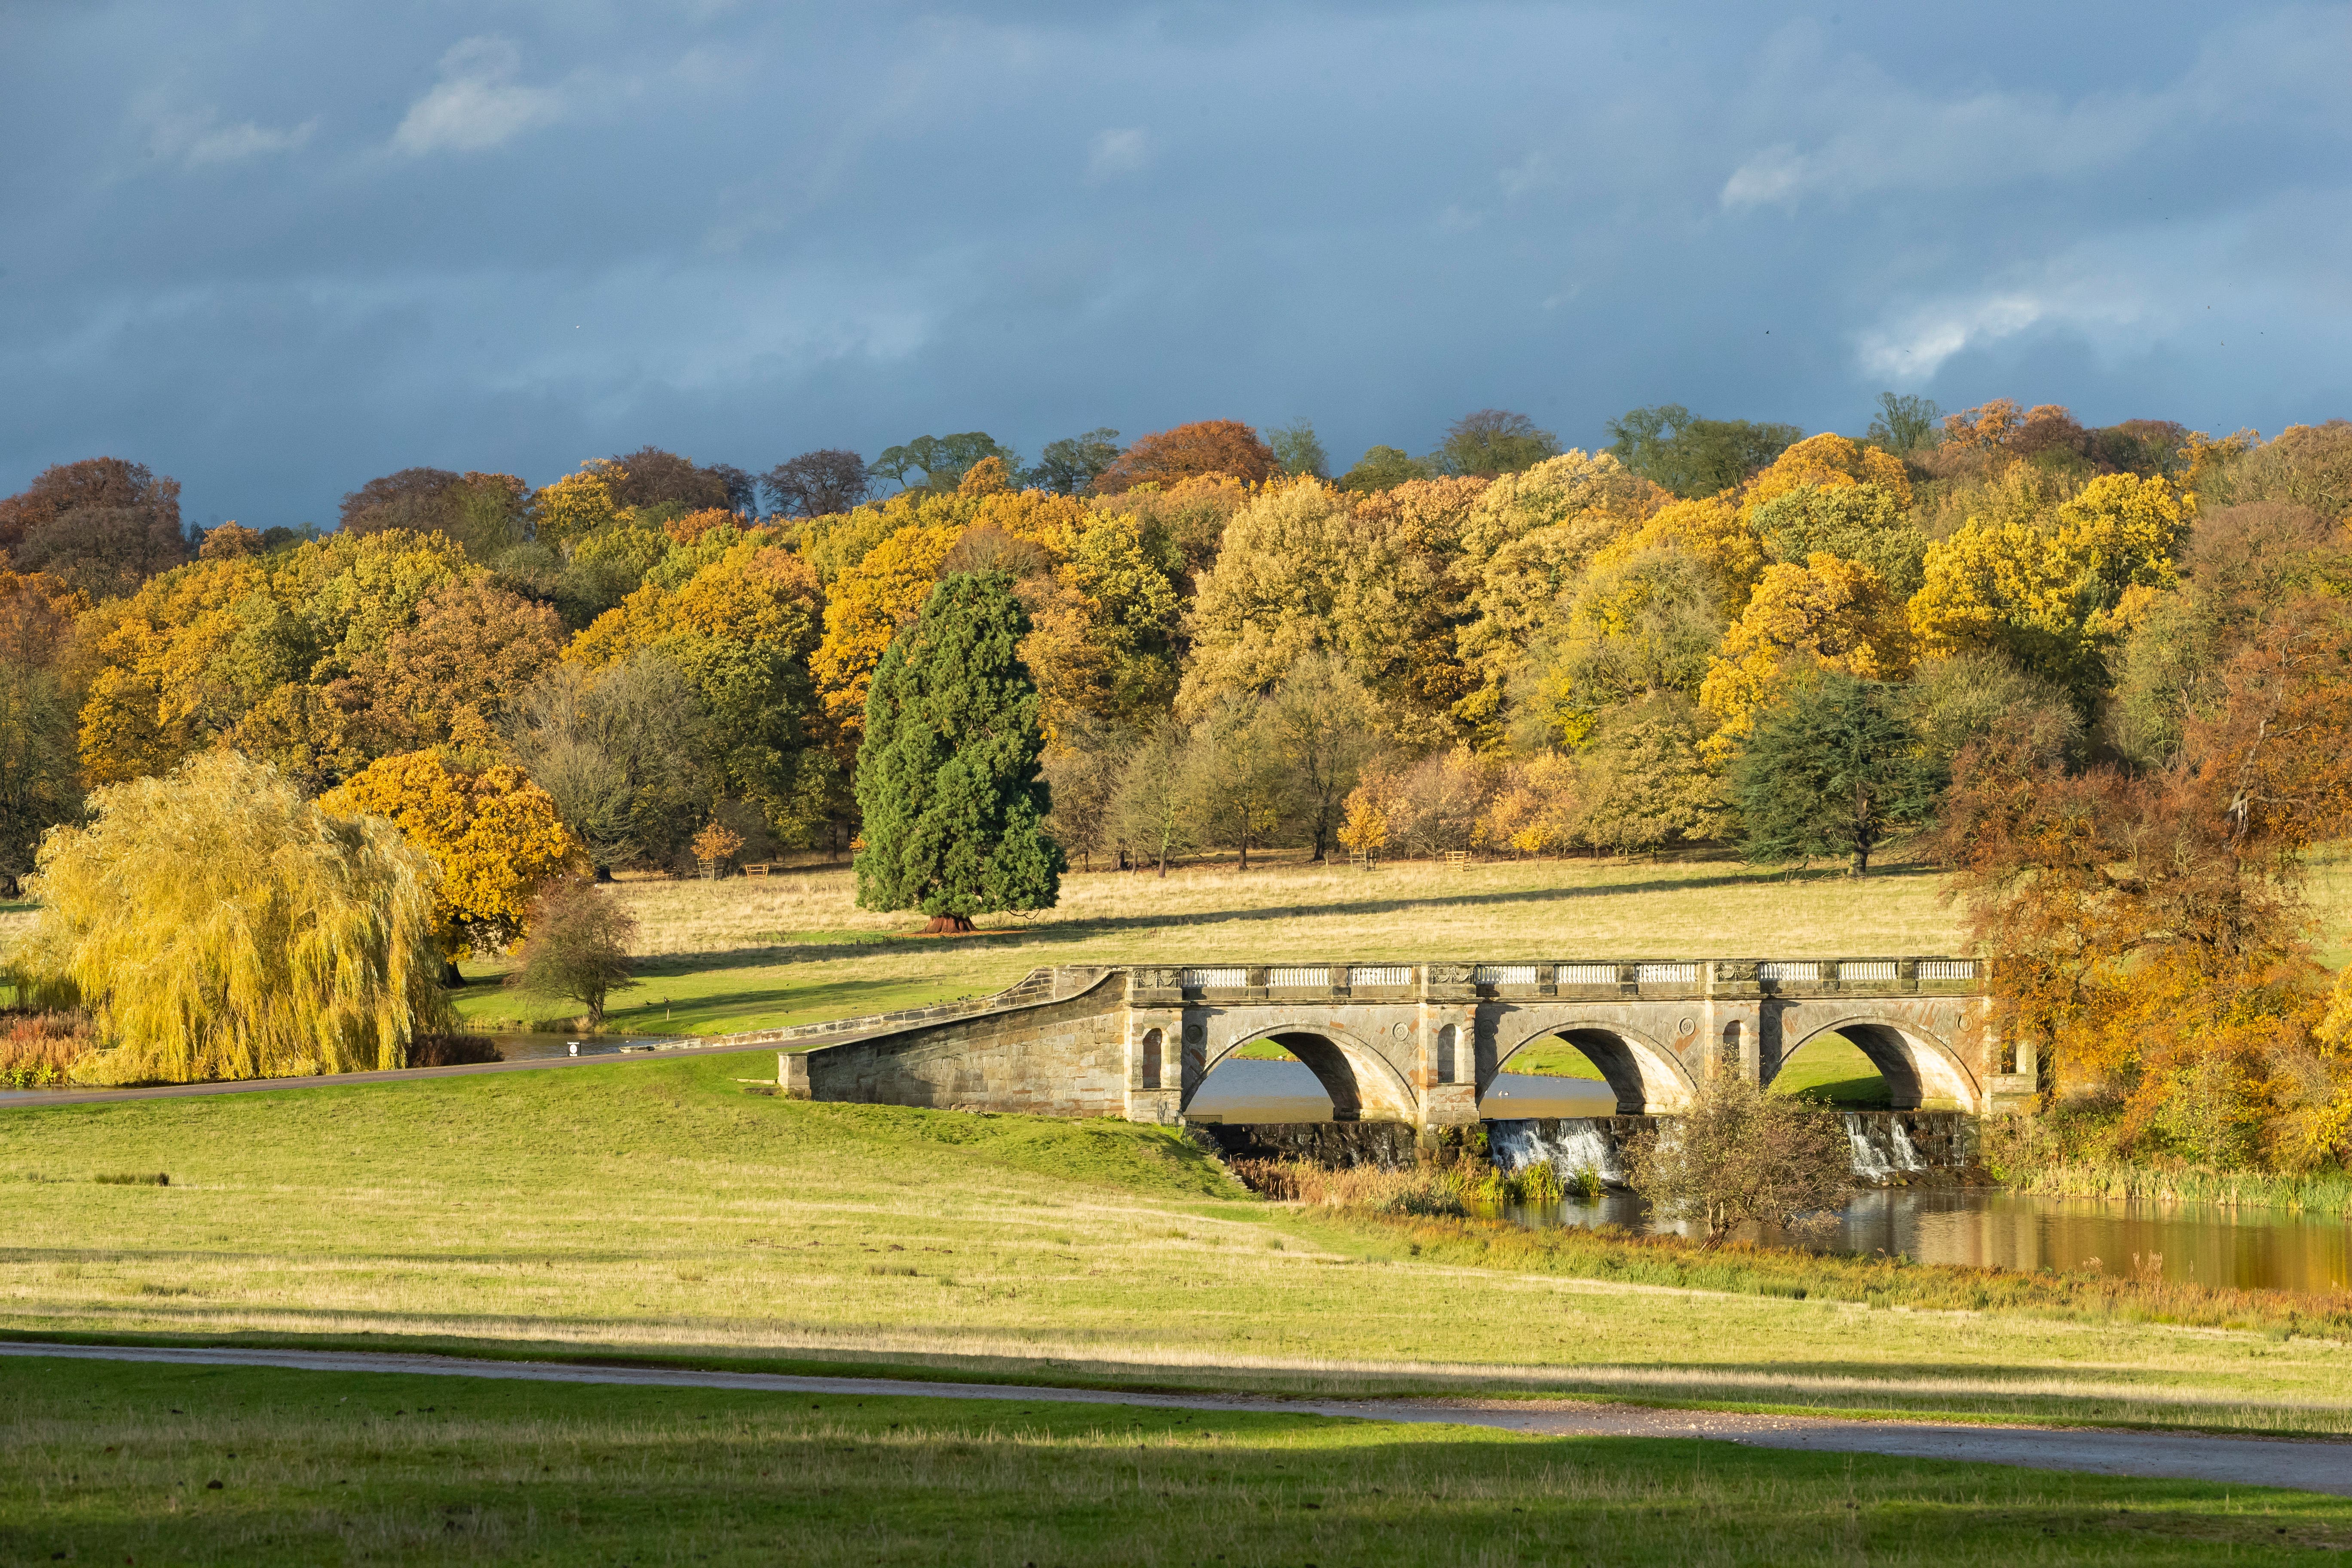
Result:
x=1836 y=769
x=948 y=777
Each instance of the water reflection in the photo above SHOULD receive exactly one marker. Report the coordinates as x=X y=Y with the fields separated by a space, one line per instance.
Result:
x=1239 y=1089
x=2254 y=1249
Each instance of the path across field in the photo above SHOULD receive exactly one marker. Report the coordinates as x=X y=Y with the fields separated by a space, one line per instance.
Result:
x=2316 y=1467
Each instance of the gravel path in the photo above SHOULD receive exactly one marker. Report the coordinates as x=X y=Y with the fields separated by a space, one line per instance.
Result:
x=2316 y=1467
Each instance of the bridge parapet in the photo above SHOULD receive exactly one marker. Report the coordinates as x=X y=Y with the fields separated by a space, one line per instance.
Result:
x=1630 y=978
x=1422 y=1042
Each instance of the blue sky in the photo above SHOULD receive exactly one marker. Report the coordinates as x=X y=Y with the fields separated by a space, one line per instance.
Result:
x=277 y=249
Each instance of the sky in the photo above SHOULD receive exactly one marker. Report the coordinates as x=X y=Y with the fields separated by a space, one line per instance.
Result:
x=277 y=249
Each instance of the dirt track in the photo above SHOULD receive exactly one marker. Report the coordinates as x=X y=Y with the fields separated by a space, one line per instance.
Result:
x=2318 y=1467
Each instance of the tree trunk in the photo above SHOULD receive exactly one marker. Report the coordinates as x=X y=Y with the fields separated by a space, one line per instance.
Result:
x=450 y=978
x=1862 y=859
x=947 y=925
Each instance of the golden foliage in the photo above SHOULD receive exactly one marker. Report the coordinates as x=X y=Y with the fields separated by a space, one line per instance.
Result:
x=494 y=836
x=572 y=508
x=870 y=602
x=217 y=925
x=1269 y=600
x=716 y=841
x=1828 y=462
x=1714 y=531
x=1829 y=614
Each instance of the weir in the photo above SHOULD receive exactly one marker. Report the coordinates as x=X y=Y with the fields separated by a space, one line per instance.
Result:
x=1417 y=1044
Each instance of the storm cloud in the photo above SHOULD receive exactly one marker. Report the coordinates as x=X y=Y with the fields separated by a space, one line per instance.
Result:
x=277 y=249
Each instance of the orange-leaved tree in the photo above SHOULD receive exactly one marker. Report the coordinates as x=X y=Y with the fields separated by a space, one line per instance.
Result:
x=1165 y=458
x=496 y=837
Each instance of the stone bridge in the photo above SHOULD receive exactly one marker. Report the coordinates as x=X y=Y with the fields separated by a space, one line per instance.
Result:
x=1420 y=1042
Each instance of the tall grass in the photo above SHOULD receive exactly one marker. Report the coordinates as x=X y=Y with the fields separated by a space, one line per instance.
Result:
x=1440 y=1189
x=2044 y=1155
x=39 y=1050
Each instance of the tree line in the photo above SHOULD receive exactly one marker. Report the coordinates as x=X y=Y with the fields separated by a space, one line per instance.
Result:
x=2096 y=670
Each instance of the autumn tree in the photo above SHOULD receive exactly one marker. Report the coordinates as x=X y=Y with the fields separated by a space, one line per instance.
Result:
x=1739 y=1156
x=1235 y=786
x=1644 y=782
x=1835 y=768
x=217 y=925
x=231 y=541
x=453 y=675
x=816 y=484
x=494 y=834
x=948 y=777
x=2054 y=593
x=1269 y=599
x=1165 y=458
x=578 y=947
x=739 y=625
x=573 y=507
x=484 y=512
x=1828 y=614
x=102 y=524
x=1490 y=441
x=40 y=783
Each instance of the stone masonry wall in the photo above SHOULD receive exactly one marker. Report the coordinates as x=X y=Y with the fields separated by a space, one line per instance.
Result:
x=1063 y=1058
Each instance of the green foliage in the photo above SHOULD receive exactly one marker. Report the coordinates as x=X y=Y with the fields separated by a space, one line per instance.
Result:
x=41 y=784
x=1905 y=423
x=1836 y=769
x=219 y=925
x=1069 y=466
x=1696 y=457
x=1492 y=441
x=1382 y=468
x=1298 y=449
x=943 y=459
x=1645 y=784
x=948 y=775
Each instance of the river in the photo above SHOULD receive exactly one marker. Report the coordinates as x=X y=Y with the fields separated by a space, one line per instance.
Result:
x=2254 y=1248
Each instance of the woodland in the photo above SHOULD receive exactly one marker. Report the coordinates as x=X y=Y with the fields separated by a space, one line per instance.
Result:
x=2102 y=676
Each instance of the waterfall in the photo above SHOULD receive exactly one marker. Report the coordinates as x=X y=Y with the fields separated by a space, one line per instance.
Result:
x=1906 y=1157
x=1868 y=1163
x=1570 y=1143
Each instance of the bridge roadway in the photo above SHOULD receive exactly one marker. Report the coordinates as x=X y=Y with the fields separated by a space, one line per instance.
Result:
x=1421 y=1043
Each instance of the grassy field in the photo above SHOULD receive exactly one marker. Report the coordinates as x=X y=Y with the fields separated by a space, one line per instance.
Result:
x=651 y=1208
x=739 y=955
x=158 y=1465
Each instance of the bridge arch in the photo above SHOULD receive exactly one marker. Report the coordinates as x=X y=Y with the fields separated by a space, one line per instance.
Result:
x=1646 y=1077
x=1363 y=1084
x=1918 y=1066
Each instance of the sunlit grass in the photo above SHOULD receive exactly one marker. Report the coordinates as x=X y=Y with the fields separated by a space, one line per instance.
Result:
x=652 y=1208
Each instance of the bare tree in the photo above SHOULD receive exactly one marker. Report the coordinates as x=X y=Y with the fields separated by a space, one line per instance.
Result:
x=1739 y=1156
x=818 y=483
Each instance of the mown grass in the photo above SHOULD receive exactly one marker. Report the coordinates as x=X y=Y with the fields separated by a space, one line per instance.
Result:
x=652 y=1210
x=118 y=1462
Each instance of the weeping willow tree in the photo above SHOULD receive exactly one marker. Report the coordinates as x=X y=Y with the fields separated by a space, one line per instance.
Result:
x=217 y=925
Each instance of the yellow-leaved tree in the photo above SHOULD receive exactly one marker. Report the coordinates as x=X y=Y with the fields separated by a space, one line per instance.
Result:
x=572 y=508
x=217 y=925
x=2056 y=592
x=1829 y=613
x=494 y=835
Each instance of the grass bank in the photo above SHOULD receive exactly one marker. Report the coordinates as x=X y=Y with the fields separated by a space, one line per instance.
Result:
x=260 y=1467
x=2034 y=1157
x=649 y=1210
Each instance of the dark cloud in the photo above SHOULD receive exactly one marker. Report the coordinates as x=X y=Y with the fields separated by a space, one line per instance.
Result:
x=276 y=252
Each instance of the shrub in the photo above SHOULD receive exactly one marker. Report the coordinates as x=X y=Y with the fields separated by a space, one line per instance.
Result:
x=1742 y=1156
x=453 y=1050
x=38 y=1049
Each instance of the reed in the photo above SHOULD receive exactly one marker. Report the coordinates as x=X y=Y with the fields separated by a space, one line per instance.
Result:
x=2031 y=1157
